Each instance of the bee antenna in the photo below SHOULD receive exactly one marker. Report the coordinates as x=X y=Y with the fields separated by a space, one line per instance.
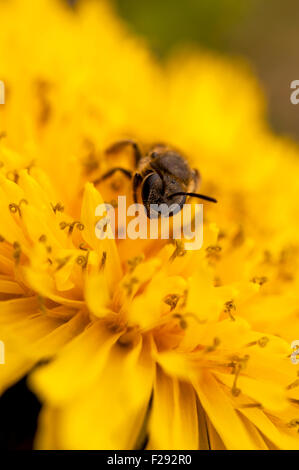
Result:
x=199 y=196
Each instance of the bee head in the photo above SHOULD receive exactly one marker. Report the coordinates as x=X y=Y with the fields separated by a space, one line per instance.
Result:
x=157 y=196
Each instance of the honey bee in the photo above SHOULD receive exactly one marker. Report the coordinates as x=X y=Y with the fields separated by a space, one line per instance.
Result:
x=162 y=174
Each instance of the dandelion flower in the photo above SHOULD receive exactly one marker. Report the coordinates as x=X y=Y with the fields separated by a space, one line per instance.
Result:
x=141 y=343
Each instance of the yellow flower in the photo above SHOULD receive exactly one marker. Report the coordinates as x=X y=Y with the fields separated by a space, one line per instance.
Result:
x=146 y=344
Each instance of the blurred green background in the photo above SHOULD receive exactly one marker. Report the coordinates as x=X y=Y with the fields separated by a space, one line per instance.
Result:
x=264 y=32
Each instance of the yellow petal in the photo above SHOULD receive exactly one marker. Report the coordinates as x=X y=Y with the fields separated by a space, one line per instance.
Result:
x=77 y=366
x=110 y=413
x=173 y=423
x=222 y=415
x=92 y=199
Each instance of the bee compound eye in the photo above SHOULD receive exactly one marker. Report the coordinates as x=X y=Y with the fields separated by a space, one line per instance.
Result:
x=152 y=185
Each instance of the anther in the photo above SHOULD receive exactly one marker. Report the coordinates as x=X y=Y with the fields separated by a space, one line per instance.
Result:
x=215 y=344
x=262 y=342
x=16 y=208
x=184 y=299
x=172 y=300
x=294 y=423
x=294 y=384
x=62 y=262
x=238 y=364
x=12 y=176
x=260 y=280
x=103 y=260
x=57 y=208
x=17 y=252
x=179 y=250
x=77 y=224
x=129 y=285
x=213 y=252
x=133 y=262
x=43 y=239
x=228 y=307
x=251 y=405
x=83 y=260
x=182 y=321
x=238 y=238
x=83 y=247
x=294 y=401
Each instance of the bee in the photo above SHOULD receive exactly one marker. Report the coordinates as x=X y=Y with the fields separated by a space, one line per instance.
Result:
x=162 y=174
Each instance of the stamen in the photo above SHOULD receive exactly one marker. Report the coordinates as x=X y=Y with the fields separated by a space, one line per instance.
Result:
x=42 y=304
x=129 y=285
x=30 y=166
x=186 y=315
x=251 y=405
x=179 y=250
x=235 y=390
x=228 y=307
x=83 y=247
x=12 y=176
x=221 y=235
x=259 y=280
x=103 y=260
x=238 y=238
x=133 y=262
x=213 y=252
x=294 y=401
x=294 y=423
x=71 y=226
x=63 y=225
x=16 y=208
x=294 y=384
x=17 y=252
x=57 y=208
x=62 y=262
x=212 y=348
x=83 y=260
x=43 y=239
x=184 y=299
x=267 y=256
x=238 y=364
x=172 y=300
x=262 y=342
x=183 y=323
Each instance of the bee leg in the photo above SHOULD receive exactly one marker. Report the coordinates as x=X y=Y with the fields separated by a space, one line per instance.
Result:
x=111 y=172
x=137 y=179
x=118 y=146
